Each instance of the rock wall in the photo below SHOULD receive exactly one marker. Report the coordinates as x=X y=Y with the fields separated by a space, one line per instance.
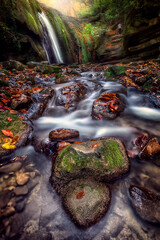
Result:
x=142 y=30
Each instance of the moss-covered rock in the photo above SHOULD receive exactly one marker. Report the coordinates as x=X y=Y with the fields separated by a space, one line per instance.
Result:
x=103 y=159
x=17 y=126
x=48 y=69
x=12 y=64
x=86 y=201
x=113 y=71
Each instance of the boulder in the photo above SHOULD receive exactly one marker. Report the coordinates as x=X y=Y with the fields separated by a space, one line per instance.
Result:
x=86 y=201
x=151 y=149
x=17 y=126
x=48 y=68
x=63 y=134
x=69 y=95
x=22 y=102
x=13 y=64
x=145 y=203
x=113 y=71
x=104 y=160
x=108 y=106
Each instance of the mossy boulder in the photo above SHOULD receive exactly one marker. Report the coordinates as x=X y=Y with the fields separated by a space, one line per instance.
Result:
x=104 y=160
x=113 y=71
x=86 y=201
x=17 y=126
x=12 y=64
x=48 y=69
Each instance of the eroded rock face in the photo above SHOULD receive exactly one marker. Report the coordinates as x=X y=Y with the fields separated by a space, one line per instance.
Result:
x=71 y=94
x=86 y=201
x=107 y=106
x=146 y=203
x=103 y=160
x=63 y=134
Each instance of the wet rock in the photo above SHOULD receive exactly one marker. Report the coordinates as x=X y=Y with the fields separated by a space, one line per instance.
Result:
x=12 y=64
x=9 y=211
x=151 y=149
x=103 y=160
x=5 y=197
x=108 y=106
x=44 y=145
x=113 y=71
x=47 y=68
x=146 y=203
x=63 y=134
x=21 y=191
x=69 y=95
x=86 y=201
x=22 y=178
x=22 y=102
x=20 y=206
x=11 y=167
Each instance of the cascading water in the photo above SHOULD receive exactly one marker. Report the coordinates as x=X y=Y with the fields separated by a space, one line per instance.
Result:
x=50 y=42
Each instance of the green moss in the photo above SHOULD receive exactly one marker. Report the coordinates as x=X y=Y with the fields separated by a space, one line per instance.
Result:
x=31 y=22
x=112 y=72
x=107 y=156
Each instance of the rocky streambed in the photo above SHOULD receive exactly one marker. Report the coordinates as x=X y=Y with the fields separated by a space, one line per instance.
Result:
x=98 y=144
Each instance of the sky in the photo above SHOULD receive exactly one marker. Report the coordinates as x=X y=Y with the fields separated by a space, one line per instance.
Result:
x=68 y=7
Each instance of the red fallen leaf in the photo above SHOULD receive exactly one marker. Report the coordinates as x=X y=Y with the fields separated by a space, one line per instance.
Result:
x=9 y=119
x=142 y=140
x=1 y=105
x=13 y=111
x=80 y=195
x=8 y=133
x=94 y=139
x=1 y=110
x=94 y=146
x=4 y=100
x=24 y=111
x=99 y=116
x=21 y=117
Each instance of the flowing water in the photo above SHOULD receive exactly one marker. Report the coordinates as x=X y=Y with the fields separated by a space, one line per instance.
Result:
x=50 y=41
x=43 y=216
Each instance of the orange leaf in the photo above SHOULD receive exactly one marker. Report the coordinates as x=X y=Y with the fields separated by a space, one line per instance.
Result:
x=66 y=106
x=80 y=195
x=13 y=112
x=9 y=119
x=15 y=139
x=8 y=133
x=94 y=146
x=7 y=140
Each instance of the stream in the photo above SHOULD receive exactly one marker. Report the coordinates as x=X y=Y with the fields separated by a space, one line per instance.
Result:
x=38 y=211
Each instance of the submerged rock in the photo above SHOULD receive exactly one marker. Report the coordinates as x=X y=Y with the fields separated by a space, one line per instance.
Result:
x=86 y=201
x=102 y=159
x=11 y=167
x=151 y=149
x=63 y=134
x=146 y=203
x=13 y=64
x=108 y=106
x=71 y=94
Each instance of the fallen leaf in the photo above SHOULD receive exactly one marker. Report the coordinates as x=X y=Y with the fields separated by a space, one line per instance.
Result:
x=7 y=140
x=8 y=146
x=19 y=158
x=9 y=119
x=94 y=146
x=80 y=195
x=7 y=133
x=15 y=139
x=13 y=111
x=66 y=106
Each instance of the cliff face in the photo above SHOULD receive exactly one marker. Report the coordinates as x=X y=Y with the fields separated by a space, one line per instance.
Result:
x=20 y=30
x=142 y=30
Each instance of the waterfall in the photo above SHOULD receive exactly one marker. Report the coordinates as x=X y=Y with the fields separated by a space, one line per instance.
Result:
x=50 y=42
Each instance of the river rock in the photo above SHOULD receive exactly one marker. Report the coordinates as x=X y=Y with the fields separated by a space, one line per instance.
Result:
x=5 y=197
x=9 y=211
x=46 y=68
x=11 y=167
x=71 y=94
x=63 y=134
x=22 y=178
x=107 y=106
x=13 y=64
x=151 y=149
x=21 y=191
x=102 y=159
x=113 y=71
x=22 y=102
x=146 y=203
x=86 y=201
